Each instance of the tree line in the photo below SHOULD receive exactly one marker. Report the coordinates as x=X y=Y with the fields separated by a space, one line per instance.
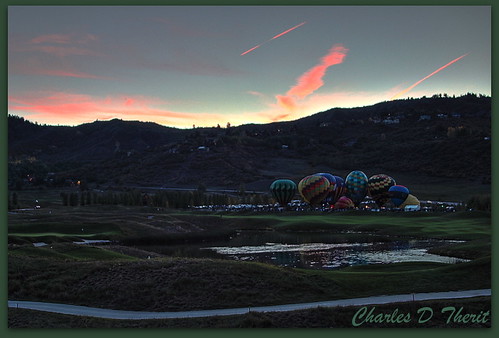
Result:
x=163 y=199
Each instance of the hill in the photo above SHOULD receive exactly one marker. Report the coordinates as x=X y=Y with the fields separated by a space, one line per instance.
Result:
x=440 y=136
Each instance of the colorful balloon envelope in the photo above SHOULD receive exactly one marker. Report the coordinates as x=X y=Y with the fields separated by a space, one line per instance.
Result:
x=356 y=184
x=340 y=189
x=314 y=189
x=398 y=194
x=410 y=200
x=283 y=191
x=332 y=186
x=378 y=186
x=344 y=203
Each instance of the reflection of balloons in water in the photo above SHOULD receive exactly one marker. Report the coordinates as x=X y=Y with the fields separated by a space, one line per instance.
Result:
x=378 y=186
x=314 y=188
x=398 y=194
x=410 y=200
x=332 y=186
x=356 y=184
x=283 y=191
x=344 y=203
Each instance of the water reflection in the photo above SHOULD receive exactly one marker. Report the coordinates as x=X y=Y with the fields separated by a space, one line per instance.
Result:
x=337 y=255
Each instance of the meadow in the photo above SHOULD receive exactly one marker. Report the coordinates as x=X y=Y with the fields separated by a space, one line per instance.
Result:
x=146 y=259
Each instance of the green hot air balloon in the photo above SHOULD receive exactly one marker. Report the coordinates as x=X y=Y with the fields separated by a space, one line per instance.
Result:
x=356 y=184
x=283 y=191
x=314 y=188
x=378 y=186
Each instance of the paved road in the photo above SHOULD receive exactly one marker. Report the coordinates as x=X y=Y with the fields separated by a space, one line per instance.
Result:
x=119 y=314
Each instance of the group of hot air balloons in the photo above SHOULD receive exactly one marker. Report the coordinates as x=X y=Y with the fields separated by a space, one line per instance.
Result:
x=345 y=193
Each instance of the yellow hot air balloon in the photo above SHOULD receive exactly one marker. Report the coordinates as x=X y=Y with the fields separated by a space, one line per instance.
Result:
x=412 y=202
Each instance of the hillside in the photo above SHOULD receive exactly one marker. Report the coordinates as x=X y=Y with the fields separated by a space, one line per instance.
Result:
x=436 y=137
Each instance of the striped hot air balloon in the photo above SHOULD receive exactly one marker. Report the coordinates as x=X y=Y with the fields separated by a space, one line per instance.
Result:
x=332 y=186
x=378 y=186
x=314 y=188
x=340 y=190
x=283 y=191
x=356 y=184
x=398 y=194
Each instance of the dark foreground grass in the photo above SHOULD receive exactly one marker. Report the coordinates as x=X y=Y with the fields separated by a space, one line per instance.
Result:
x=338 y=317
x=175 y=284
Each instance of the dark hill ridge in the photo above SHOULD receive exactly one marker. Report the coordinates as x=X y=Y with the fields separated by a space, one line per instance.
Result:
x=437 y=136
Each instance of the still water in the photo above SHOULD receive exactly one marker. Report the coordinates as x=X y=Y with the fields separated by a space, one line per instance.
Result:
x=327 y=255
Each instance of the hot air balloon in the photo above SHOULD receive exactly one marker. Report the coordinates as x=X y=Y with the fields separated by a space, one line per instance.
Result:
x=378 y=186
x=398 y=194
x=314 y=188
x=332 y=186
x=344 y=203
x=283 y=191
x=411 y=200
x=340 y=188
x=356 y=184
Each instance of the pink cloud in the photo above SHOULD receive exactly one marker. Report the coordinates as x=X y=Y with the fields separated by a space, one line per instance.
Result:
x=287 y=102
x=60 y=45
x=308 y=83
x=69 y=108
x=62 y=73
x=52 y=38
x=64 y=51
x=311 y=80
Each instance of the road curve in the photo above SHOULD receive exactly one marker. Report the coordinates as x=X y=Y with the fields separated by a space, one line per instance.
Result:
x=136 y=315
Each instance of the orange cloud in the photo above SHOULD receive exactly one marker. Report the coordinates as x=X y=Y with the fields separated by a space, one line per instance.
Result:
x=72 y=109
x=287 y=102
x=311 y=80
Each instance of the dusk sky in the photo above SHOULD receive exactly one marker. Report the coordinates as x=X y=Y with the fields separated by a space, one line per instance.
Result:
x=183 y=66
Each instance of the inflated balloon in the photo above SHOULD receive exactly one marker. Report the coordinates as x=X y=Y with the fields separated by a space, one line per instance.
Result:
x=410 y=200
x=398 y=194
x=314 y=188
x=344 y=203
x=332 y=186
x=340 y=190
x=283 y=191
x=356 y=184
x=378 y=186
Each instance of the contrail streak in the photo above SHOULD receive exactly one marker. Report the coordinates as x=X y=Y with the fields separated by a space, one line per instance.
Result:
x=428 y=76
x=251 y=49
x=288 y=30
x=275 y=37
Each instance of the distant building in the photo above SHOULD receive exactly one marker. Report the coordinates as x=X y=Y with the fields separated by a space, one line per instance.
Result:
x=424 y=117
x=391 y=120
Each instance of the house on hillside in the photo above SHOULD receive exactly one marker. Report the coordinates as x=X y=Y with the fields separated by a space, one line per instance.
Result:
x=391 y=120
x=425 y=118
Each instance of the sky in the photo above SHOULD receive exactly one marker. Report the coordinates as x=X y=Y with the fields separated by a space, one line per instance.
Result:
x=185 y=66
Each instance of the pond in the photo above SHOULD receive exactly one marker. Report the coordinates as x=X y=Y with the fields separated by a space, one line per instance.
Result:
x=305 y=251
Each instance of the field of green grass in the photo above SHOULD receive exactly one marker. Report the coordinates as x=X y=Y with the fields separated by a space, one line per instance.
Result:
x=131 y=274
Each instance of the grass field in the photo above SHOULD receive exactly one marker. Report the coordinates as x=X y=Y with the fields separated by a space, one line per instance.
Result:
x=130 y=274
